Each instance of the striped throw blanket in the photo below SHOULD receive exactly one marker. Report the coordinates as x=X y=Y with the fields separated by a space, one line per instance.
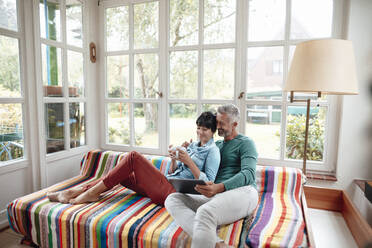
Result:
x=278 y=220
x=121 y=218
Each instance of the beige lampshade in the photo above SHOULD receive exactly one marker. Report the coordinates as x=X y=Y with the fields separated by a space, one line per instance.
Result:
x=326 y=66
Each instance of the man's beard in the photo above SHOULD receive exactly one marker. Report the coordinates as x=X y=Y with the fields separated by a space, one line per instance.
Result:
x=223 y=133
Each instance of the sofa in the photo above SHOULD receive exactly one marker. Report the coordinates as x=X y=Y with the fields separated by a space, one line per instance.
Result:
x=122 y=218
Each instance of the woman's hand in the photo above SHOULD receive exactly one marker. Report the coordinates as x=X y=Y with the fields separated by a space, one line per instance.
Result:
x=184 y=157
x=171 y=152
x=186 y=144
x=172 y=155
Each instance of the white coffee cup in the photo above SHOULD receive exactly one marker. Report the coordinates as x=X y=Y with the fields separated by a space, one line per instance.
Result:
x=177 y=148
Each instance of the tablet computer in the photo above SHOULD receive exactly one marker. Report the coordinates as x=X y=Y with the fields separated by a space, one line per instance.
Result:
x=185 y=185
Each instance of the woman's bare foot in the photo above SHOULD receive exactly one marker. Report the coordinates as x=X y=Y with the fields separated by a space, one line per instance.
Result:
x=57 y=197
x=85 y=197
x=66 y=195
x=53 y=196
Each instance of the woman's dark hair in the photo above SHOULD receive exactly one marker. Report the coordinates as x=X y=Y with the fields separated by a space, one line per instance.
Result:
x=207 y=119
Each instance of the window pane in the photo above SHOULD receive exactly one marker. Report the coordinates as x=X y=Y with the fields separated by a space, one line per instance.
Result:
x=117 y=28
x=265 y=73
x=219 y=71
x=295 y=136
x=77 y=124
x=50 y=20
x=75 y=74
x=219 y=21
x=210 y=107
x=8 y=14
x=52 y=70
x=263 y=126
x=74 y=23
x=182 y=118
x=183 y=22
x=303 y=23
x=146 y=75
x=146 y=125
x=266 y=20
x=9 y=67
x=55 y=127
x=11 y=132
x=184 y=74
x=118 y=76
x=118 y=123
x=146 y=25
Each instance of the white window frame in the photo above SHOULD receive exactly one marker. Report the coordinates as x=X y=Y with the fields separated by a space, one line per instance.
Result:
x=333 y=104
x=65 y=99
x=200 y=48
x=131 y=52
x=14 y=164
x=241 y=46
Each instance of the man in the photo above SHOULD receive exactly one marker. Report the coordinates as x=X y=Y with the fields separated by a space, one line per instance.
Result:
x=232 y=196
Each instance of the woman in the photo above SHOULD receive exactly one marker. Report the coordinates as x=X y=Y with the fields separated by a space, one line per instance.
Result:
x=200 y=161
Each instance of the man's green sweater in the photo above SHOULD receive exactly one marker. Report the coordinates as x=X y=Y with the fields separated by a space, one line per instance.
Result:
x=238 y=162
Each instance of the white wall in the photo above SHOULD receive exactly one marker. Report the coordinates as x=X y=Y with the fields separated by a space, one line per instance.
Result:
x=14 y=183
x=355 y=137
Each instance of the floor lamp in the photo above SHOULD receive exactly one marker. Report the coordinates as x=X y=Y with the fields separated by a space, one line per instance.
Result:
x=323 y=67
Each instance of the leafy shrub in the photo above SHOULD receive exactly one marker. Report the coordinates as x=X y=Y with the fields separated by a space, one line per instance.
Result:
x=121 y=135
x=295 y=137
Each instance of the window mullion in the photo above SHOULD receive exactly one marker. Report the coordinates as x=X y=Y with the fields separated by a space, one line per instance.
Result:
x=66 y=118
x=11 y=100
x=65 y=85
x=23 y=87
x=76 y=49
x=40 y=96
x=285 y=73
x=54 y=43
x=200 y=79
x=131 y=76
x=163 y=82
x=167 y=77
x=11 y=33
x=200 y=56
x=241 y=60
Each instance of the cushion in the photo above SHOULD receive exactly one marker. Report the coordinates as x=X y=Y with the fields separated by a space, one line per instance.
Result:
x=278 y=220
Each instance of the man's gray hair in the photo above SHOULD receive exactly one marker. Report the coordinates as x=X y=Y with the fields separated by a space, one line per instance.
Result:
x=231 y=110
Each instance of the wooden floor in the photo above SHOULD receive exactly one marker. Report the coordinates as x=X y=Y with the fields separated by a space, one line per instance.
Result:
x=10 y=239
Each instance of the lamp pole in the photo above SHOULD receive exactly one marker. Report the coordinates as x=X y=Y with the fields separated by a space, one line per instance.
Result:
x=306 y=126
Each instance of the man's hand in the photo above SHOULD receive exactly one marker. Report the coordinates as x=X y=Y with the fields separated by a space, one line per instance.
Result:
x=210 y=189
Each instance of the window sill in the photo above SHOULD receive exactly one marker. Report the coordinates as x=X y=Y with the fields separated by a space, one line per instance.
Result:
x=322 y=177
x=52 y=157
x=13 y=165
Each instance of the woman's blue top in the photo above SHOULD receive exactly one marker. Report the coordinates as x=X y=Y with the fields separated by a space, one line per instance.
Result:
x=207 y=158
